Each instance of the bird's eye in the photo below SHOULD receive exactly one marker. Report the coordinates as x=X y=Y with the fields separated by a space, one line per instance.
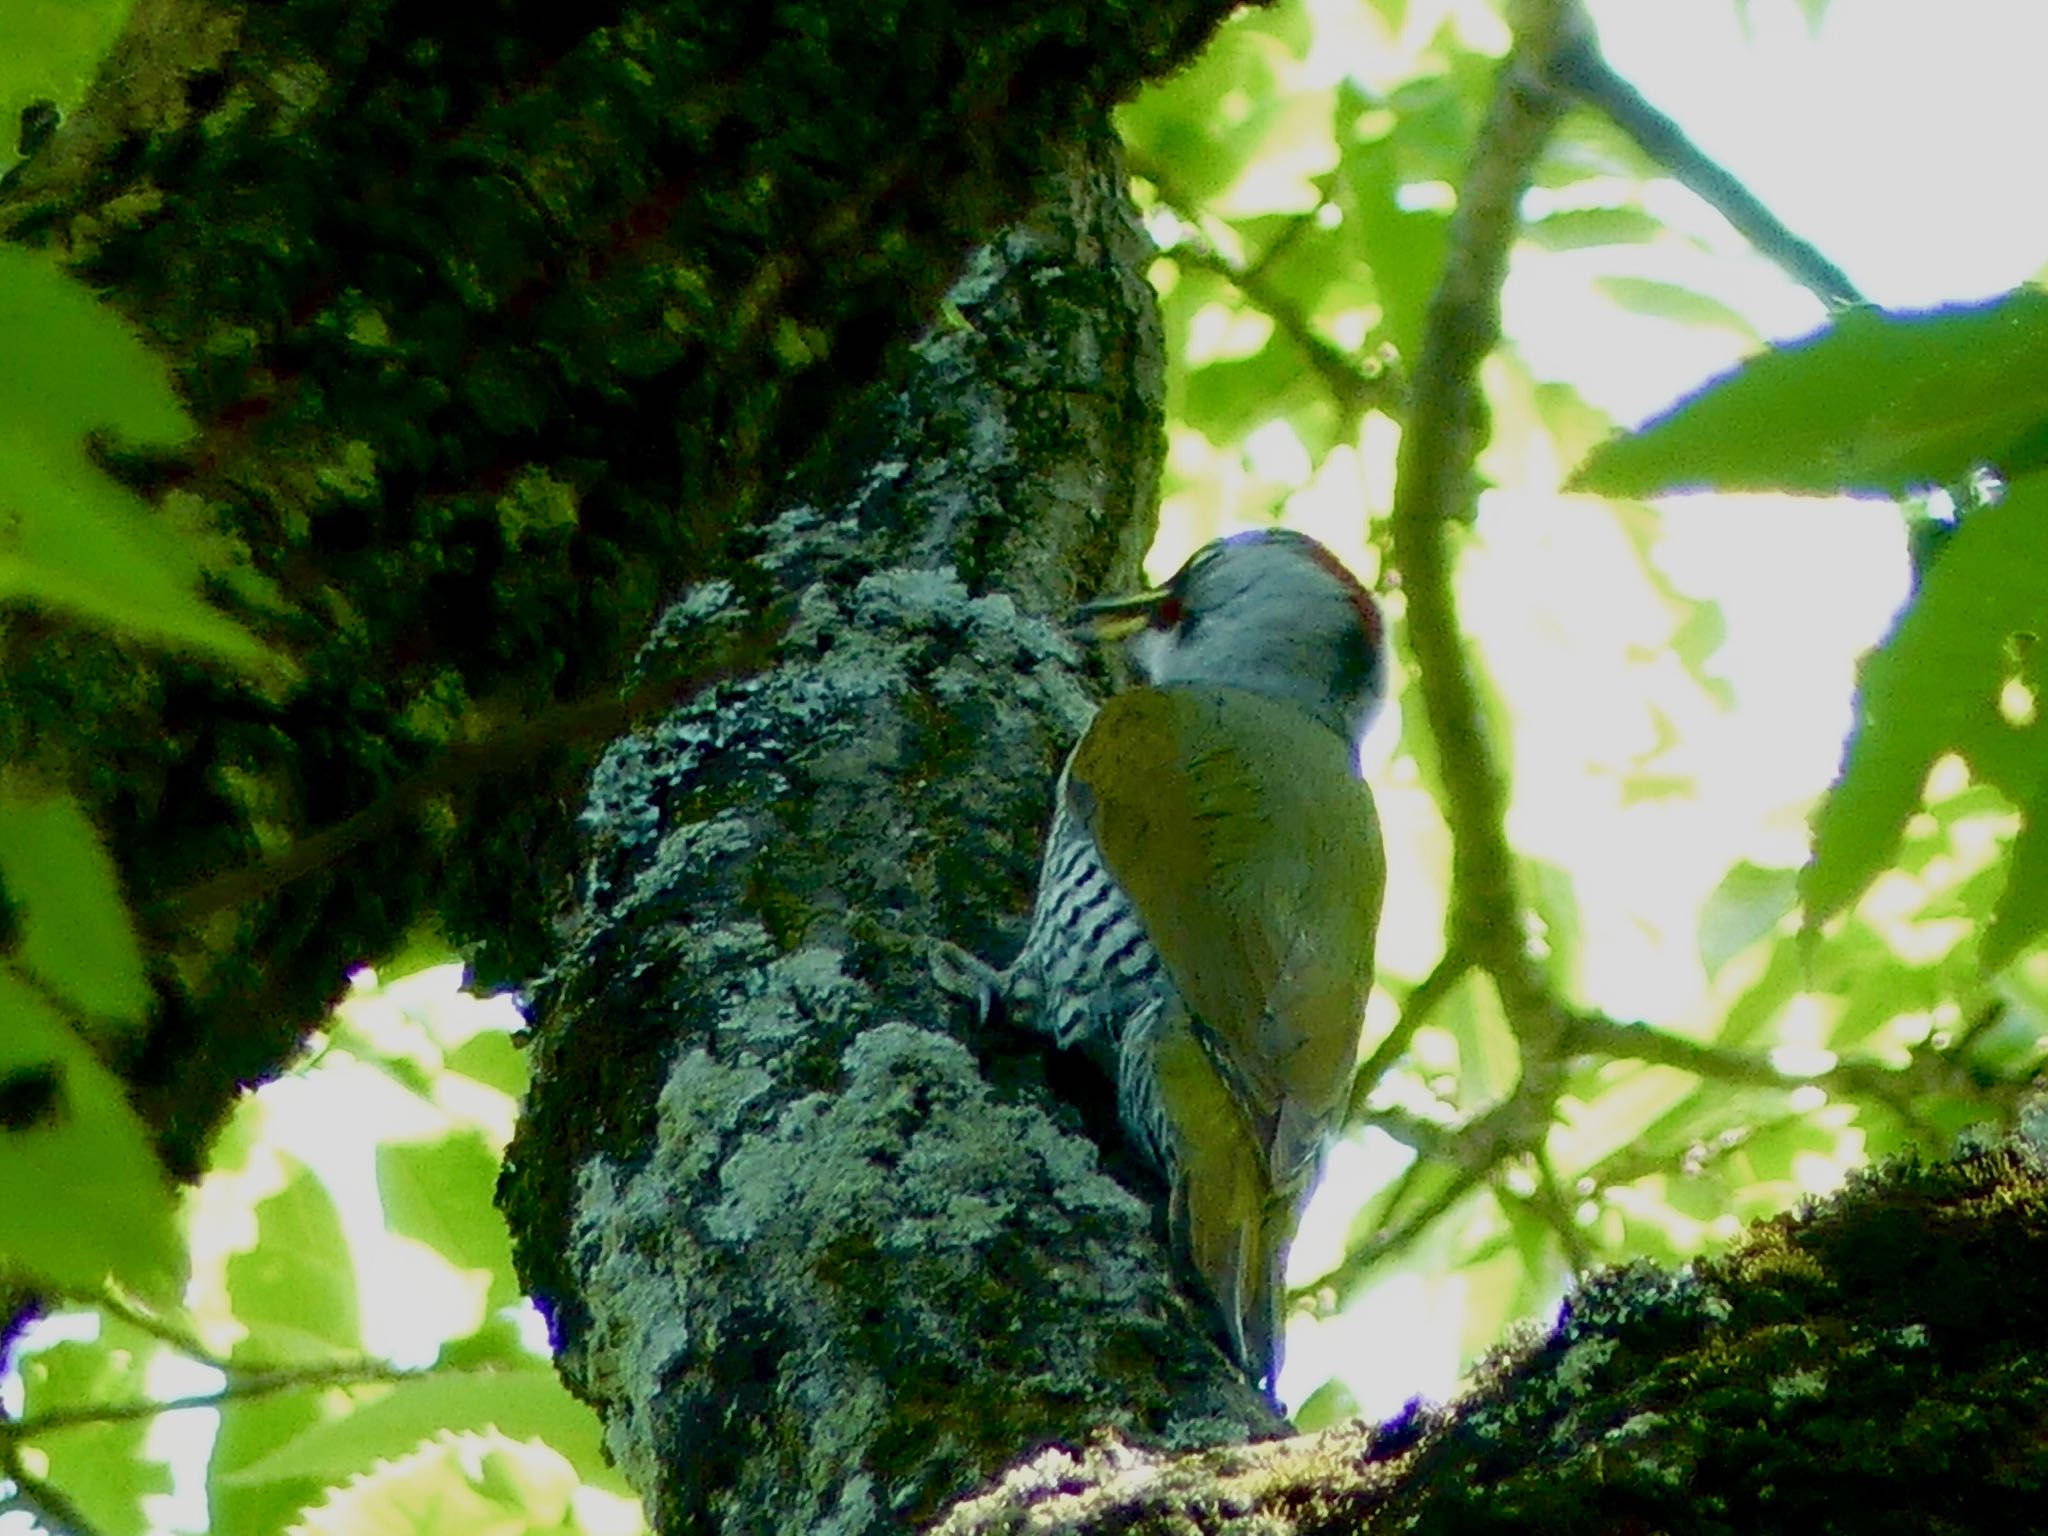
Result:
x=1168 y=614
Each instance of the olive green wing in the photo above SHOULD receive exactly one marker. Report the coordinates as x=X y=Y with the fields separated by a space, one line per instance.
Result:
x=1252 y=853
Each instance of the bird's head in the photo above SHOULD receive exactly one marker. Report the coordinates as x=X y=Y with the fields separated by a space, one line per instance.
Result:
x=1270 y=611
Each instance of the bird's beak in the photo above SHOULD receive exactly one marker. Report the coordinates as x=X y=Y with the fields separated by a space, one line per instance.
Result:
x=1117 y=618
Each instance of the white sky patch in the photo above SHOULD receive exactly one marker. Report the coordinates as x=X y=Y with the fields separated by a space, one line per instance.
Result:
x=1899 y=142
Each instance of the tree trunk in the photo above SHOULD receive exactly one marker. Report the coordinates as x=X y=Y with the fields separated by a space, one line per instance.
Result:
x=824 y=1252
x=498 y=321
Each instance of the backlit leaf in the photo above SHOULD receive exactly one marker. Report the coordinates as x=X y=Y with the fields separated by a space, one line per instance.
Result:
x=87 y=1200
x=76 y=934
x=1932 y=687
x=1879 y=402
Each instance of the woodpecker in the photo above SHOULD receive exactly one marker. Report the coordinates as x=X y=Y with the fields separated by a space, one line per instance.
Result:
x=1209 y=895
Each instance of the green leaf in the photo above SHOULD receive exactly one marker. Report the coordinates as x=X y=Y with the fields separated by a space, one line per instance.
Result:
x=1576 y=229
x=1932 y=687
x=1303 y=265
x=1404 y=247
x=86 y=1196
x=1675 y=302
x=295 y=1290
x=1746 y=906
x=52 y=48
x=494 y=1059
x=521 y=1404
x=1176 y=130
x=498 y=1342
x=1747 y=1022
x=1879 y=996
x=2021 y=912
x=527 y=1483
x=1329 y=1405
x=488 y=1485
x=74 y=366
x=1878 y=402
x=71 y=537
x=440 y=1193
x=74 y=541
x=426 y=1492
x=1773 y=1154
x=251 y=1429
x=1225 y=401
x=103 y=1468
x=259 y=1286
x=65 y=895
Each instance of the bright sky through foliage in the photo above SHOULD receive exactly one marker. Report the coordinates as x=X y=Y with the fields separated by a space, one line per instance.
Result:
x=1897 y=138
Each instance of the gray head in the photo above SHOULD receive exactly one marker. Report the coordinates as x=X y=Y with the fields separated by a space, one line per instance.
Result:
x=1270 y=611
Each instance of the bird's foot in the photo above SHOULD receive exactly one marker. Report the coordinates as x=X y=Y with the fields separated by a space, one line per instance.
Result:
x=966 y=976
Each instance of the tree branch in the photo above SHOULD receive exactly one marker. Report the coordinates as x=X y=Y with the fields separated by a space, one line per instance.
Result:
x=823 y=1252
x=49 y=1506
x=1445 y=429
x=355 y=1373
x=1355 y=387
x=1855 y=1078
x=1582 y=68
x=532 y=321
x=1424 y=1000
x=1364 y=1257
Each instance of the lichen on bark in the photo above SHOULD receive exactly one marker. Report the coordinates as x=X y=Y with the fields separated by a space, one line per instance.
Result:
x=498 y=321
x=824 y=1250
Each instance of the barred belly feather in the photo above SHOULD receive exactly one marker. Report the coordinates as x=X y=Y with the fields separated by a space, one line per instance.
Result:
x=1090 y=977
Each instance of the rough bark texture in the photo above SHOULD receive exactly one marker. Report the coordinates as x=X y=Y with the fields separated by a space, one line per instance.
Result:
x=498 y=318
x=825 y=1253
x=1874 y=1366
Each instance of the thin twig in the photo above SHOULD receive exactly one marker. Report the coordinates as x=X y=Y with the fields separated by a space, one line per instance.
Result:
x=1857 y=1078
x=164 y=1333
x=1425 y=1137
x=1594 y=1035
x=1427 y=997
x=1361 y=1261
x=1594 y=81
x=355 y=1373
x=1583 y=69
x=1445 y=428
x=1554 y=1204
x=1439 y=445
x=1356 y=387
x=52 y=1509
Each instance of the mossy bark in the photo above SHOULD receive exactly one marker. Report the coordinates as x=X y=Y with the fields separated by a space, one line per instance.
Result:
x=826 y=1251
x=1875 y=1365
x=499 y=320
